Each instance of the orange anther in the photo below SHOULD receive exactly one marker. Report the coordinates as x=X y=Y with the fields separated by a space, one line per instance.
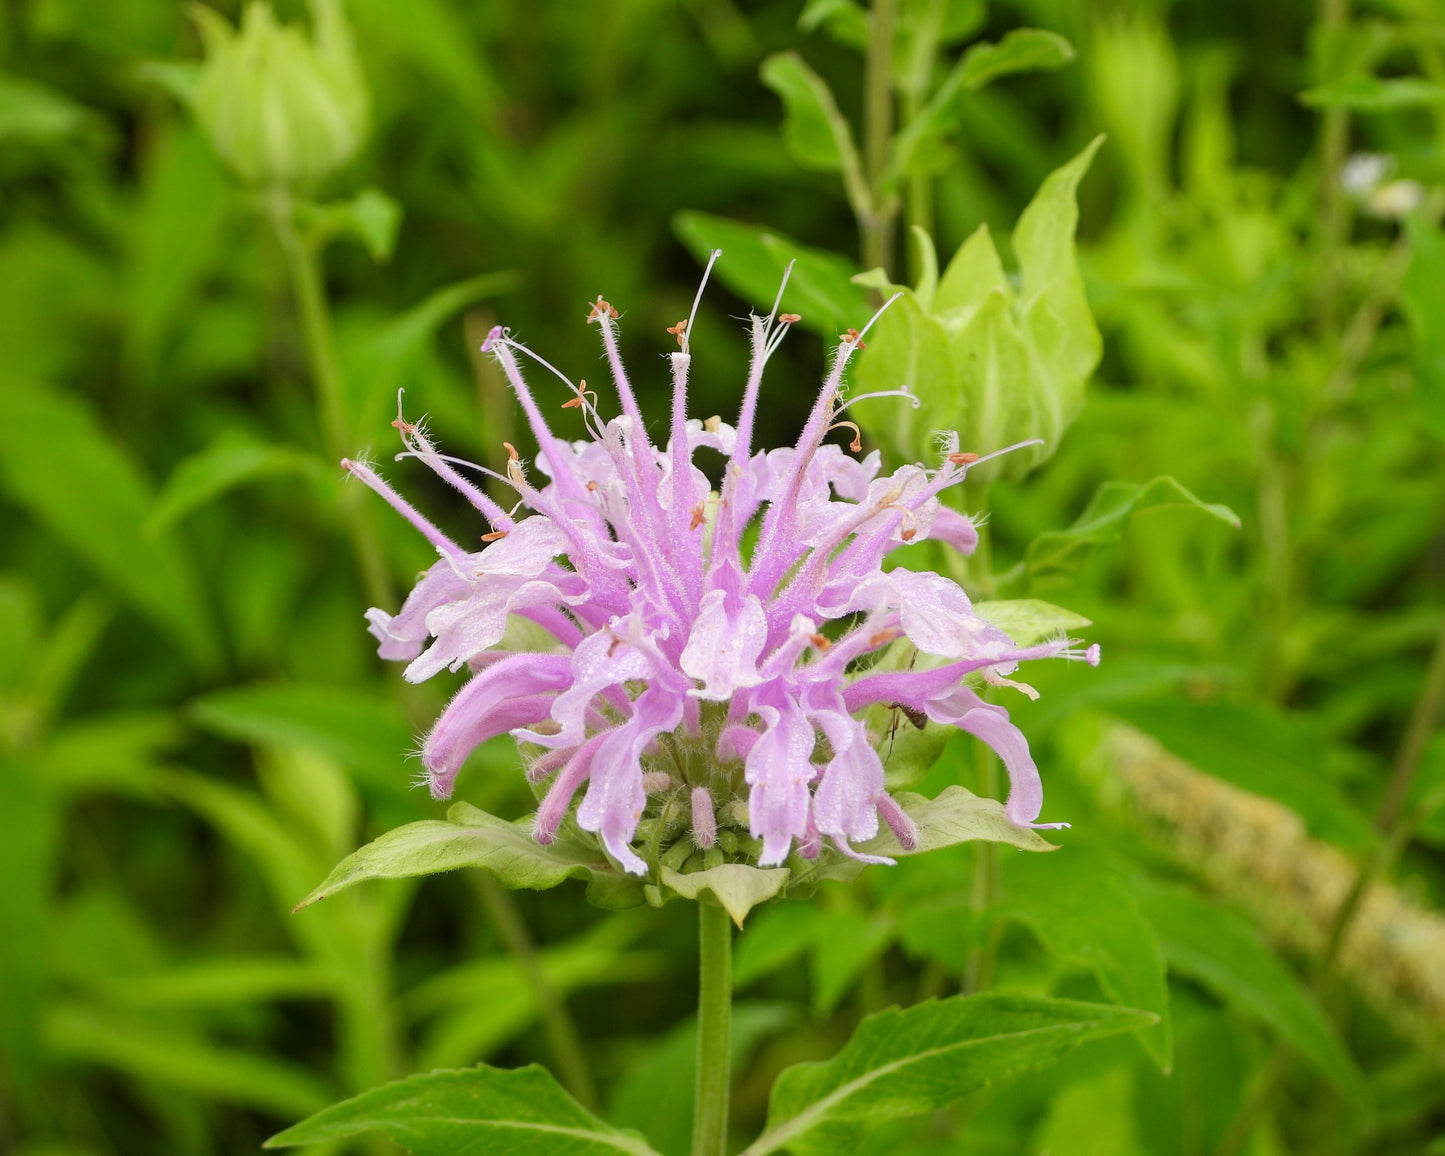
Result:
x=591 y=487
x=494 y=536
x=698 y=517
x=790 y=318
x=820 y=642
x=511 y=451
x=883 y=636
x=962 y=459
x=853 y=338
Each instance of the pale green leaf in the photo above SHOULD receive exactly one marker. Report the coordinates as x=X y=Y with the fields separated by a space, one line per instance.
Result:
x=820 y=288
x=1106 y=935
x=472 y=838
x=907 y=1063
x=1029 y=621
x=957 y=815
x=1103 y=519
x=523 y=1112
x=231 y=460
x=738 y=887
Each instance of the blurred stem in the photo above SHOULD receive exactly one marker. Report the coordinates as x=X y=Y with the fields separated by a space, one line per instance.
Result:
x=979 y=577
x=918 y=74
x=562 y=1038
x=877 y=223
x=1334 y=16
x=714 y=1028
x=303 y=266
x=1396 y=829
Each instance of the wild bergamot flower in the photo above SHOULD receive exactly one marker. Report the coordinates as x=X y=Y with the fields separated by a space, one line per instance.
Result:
x=707 y=652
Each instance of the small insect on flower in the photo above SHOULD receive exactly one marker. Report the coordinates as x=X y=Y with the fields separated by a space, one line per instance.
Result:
x=714 y=675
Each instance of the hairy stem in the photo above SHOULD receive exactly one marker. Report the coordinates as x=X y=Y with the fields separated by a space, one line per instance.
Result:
x=562 y=1038
x=714 y=1029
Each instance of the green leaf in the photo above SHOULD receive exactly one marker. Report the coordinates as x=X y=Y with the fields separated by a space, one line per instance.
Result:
x=820 y=288
x=153 y=1055
x=1022 y=50
x=844 y=943
x=232 y=459
x=372 y=217
x=477 y=1110
x=815 y=132
x=1083 y=916
x=906 y=1063
x=57 y=462
x=736 y=886
x=1371 y=94
x=780 y=934
x=1058 y=552
x=845 y=21
x=363 y=731
x=1423 y=300
x=1224 y=953
x=472 y=838
x=1029 y=621
x=32 y=113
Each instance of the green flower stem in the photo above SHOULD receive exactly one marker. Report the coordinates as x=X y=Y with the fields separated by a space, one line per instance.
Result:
x=562 y=1038
x=983 y=892
x=304 y=269
x=714 y=1028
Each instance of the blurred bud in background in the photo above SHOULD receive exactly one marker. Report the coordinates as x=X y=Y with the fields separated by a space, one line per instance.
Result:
x=1365 y=178
x=281 y=106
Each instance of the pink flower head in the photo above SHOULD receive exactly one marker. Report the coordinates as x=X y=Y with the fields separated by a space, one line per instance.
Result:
x=685 y=670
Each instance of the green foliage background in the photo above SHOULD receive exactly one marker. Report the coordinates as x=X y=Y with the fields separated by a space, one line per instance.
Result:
x=194 y=728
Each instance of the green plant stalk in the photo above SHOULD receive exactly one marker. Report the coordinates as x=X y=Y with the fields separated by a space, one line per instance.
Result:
x=983 y=891
x=1396 y=829
x=876 y=225
x=304 y=269
x=714 y=1030
x=562 y=1037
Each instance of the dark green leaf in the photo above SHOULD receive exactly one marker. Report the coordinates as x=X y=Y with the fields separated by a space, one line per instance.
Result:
x=1423 y=300
x=232 y=460
x=59 y=464
x=815 y=132
x=1105 y=934
x=906 y=1063
x=472 y=838
x=1222 y=951
x=522 y=1113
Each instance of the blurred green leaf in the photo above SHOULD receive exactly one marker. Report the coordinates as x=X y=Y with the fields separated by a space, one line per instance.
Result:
x=59 y=464
x=1029 y=621
x=817 y=135
x=31 y=113
x=360 y=729
x=1220 y=950
x=820 y=288
x=906 y=1063
x=844 y=943
x=738 y=887
x=1107 y=935
x=523 y=1112
x=371 y=216
x=844 y=20
x=1057 y=552
x=1372 y=94
x=778 y=935
x=233 y=459
x=151 y=1054
x=472 y=838
x=1021 y=50
x=222 y=980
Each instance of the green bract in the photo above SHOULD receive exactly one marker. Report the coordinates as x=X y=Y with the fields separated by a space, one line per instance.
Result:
x=281 y=107
x=1004 y=359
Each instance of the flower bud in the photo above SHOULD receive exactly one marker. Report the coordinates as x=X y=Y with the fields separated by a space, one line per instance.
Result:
x=281 y=107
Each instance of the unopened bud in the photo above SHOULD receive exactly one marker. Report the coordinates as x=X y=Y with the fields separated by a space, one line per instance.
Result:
x=704 y=822
x=281 y=107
